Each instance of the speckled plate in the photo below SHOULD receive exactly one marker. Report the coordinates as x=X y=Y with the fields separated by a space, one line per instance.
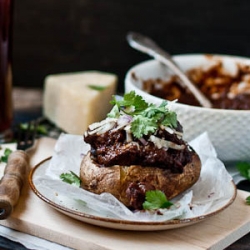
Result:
x=109 y=222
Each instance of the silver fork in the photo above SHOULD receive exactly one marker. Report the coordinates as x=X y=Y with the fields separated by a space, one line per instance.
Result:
x=15 y=173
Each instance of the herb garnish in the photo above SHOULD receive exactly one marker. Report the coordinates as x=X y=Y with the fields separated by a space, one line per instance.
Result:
x=156 y=199
x=4 y=158
x=40 y=129
x=71 y=178
x=248 y=200
x=146 y=117
x=244 y=169
x=97 y=87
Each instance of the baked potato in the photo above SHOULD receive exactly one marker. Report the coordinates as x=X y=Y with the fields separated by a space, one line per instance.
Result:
x=117 y=179
x=138 y=148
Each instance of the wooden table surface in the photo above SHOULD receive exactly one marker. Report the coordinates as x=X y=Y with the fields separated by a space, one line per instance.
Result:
x=27 y=106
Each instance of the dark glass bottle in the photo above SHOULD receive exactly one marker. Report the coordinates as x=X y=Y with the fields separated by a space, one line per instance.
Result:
x=6 y=17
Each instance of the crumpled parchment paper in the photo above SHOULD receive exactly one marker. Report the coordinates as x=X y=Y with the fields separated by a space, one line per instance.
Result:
x=213 y=190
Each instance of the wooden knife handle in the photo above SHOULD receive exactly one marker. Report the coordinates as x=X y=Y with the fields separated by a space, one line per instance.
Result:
x=11 y=183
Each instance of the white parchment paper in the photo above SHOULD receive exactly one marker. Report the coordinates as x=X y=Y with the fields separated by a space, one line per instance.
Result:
x=213 y=190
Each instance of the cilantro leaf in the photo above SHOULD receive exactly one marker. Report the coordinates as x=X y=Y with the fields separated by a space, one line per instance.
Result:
x=248 y=200
x=150 y=119
x=145 y=118
x=142 y=126
x=97 y=87
x=130 y=101
x=244 y=169
x=40 y=129
x=114 y=113
x=170 y=119
x=71 y=178
x=156 y=199
x=83 y=203
x=4 y=158
x=161 y=114
x=153 y=110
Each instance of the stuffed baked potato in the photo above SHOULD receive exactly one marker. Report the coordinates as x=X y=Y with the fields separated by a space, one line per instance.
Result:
x=137 y=148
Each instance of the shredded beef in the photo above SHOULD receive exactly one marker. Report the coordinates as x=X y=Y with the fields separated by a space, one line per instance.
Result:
x=111 y=148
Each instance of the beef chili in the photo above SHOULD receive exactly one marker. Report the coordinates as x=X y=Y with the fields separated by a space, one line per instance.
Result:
x=111 y=148
x=225 y=91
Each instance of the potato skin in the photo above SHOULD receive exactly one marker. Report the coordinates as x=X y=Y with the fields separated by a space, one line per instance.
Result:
x=116 y=179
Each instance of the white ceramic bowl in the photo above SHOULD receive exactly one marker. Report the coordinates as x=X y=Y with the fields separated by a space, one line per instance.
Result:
x=229 y=130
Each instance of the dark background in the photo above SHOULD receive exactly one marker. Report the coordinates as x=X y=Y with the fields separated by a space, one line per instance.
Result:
x=53 y=36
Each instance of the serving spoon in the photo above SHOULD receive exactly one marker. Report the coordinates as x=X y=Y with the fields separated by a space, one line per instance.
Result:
x=148 y=46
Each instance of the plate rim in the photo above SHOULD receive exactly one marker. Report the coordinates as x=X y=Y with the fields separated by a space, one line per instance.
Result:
x=172 y=222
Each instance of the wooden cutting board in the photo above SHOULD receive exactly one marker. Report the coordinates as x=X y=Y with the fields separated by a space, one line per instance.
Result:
x=35 y=217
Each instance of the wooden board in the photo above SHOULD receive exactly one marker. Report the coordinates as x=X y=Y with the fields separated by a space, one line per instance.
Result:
x=34 y=217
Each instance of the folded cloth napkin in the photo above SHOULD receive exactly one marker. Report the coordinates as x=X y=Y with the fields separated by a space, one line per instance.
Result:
x=29 y=241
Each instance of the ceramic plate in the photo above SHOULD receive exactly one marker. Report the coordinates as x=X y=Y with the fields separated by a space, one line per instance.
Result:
x=67 y=208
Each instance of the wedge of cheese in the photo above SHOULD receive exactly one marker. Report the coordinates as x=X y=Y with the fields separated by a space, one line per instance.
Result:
x=72 y=101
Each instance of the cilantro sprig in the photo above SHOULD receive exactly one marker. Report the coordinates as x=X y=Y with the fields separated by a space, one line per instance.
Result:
x=156 y=199
x=97 y=87
x=71 y=178
x=5 y=156
x=244 y=169
x=146 y=118
x=40 y=129
x=131 y=103
x=248 y=200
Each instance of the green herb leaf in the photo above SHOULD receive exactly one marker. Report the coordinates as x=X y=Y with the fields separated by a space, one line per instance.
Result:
x=40 y=129
x=156 y=199
x=146 y=118
x=170 y=119
x=131 y=103
x=114 y=113
x=71 y=178
x=83 y=203
x=97 y=87
x=244 y=169
x=5 y=157
x=143 y=126
x=248 y=200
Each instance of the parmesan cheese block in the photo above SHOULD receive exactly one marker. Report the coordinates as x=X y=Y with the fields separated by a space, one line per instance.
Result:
x=72 y=101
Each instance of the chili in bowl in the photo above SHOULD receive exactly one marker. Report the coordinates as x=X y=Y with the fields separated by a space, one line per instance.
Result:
x=224 y=80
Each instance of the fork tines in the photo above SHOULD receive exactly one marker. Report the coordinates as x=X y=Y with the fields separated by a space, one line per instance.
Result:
x=26 y=135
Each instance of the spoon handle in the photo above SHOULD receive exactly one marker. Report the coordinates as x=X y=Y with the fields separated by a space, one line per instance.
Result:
x=146 y=45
